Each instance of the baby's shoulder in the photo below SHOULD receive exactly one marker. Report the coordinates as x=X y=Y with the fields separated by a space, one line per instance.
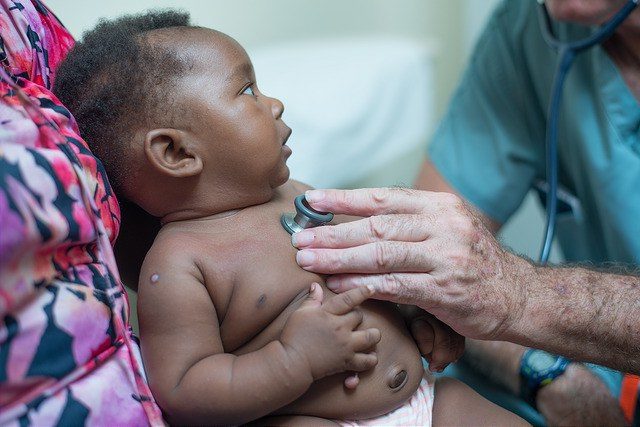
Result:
x=169 y=252
x=171 y=244
x=182 y=262
x=195 y=252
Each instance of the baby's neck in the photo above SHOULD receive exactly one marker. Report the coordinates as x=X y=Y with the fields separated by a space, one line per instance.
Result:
x=195 y=215
x=199 y=212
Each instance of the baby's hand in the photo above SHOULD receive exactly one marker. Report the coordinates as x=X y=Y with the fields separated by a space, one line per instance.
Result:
x=323 y=333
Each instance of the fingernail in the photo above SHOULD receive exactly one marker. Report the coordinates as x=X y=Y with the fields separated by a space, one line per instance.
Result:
x=314 y=195
x=303 y=238
x=313 y=286
x=371 y=289
x=331 y=284
x=305 y=258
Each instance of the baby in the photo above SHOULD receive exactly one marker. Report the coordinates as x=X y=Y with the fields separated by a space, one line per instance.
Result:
x=231 y=329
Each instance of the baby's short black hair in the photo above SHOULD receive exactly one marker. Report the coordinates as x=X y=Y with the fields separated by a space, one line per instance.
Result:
x=114 y=79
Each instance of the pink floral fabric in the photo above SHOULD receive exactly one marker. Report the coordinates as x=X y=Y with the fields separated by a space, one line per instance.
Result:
x=67 y=353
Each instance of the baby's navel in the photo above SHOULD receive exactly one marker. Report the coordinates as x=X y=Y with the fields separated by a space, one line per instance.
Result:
x=397 y=380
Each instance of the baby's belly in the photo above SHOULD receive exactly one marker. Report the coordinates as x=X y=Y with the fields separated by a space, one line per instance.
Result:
x=394 y=379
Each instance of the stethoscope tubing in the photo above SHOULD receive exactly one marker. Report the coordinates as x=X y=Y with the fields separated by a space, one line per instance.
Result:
x=567 y=52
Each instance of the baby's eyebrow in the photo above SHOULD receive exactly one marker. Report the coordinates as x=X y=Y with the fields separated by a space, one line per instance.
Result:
x=244 y=69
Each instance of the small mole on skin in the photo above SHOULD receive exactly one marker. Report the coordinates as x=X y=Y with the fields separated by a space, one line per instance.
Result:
x=261 y=300
x=155 y=277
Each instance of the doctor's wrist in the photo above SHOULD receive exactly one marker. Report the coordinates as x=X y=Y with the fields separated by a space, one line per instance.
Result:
x=578 y=397
x=498 y=361
x=561 y=385
x=519 y=277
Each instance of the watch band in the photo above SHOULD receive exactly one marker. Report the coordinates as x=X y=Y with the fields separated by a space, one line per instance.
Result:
x=533 y=378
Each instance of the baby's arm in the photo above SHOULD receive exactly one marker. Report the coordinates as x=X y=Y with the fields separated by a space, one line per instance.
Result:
x=196 y=382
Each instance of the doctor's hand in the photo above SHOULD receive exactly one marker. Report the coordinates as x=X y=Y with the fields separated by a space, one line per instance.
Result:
x=422 y=248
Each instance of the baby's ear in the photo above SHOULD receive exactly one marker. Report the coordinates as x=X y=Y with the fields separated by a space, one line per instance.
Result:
x=170 y=153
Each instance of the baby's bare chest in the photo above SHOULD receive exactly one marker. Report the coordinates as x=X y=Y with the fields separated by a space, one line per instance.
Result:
x=255 y=284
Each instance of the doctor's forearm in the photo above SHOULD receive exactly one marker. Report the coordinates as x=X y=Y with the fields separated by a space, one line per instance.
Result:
x=584 y=315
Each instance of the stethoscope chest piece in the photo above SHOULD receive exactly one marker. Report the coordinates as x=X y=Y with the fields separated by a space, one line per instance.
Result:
x=304 y=217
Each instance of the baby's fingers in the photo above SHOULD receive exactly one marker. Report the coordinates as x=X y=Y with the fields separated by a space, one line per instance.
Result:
x=347 y=301
x=365 y=340
x=353 y=318
x=362 y=362
x=352 y=381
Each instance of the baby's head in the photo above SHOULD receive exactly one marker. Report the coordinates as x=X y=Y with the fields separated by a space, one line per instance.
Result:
x=174 y=113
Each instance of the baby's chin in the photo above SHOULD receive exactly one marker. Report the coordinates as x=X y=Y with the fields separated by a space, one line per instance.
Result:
x=282 y=177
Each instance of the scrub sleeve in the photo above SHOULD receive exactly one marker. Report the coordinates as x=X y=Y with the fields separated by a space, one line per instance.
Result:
x=487 y=146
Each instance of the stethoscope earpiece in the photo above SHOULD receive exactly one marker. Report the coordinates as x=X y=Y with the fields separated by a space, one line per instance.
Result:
x=304 y=217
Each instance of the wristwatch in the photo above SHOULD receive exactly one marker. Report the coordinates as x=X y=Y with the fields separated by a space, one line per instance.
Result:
x=537 y=369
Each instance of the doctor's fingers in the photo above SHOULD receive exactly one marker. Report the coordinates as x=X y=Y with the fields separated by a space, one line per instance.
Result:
x=398 y=227
x=420 y=289
x=380 y=201
x=377 y=257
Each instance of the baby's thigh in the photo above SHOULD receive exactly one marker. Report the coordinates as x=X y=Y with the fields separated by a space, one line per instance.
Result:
x=457 y=404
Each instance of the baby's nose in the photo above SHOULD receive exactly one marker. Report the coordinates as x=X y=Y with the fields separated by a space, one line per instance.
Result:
x=277 y=108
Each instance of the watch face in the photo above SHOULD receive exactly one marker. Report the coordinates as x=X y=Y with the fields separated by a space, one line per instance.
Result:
x=541 y=361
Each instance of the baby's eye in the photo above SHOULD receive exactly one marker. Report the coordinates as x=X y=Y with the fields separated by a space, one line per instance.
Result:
x=248 y=91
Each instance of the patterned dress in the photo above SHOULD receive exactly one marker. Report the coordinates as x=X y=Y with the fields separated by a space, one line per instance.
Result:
x=67 y=353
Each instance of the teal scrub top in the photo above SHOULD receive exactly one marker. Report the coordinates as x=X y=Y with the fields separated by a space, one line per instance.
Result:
x=490 y=145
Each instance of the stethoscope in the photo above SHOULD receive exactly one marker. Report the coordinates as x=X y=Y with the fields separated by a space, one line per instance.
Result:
x=567 y=52
x=303 y=217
